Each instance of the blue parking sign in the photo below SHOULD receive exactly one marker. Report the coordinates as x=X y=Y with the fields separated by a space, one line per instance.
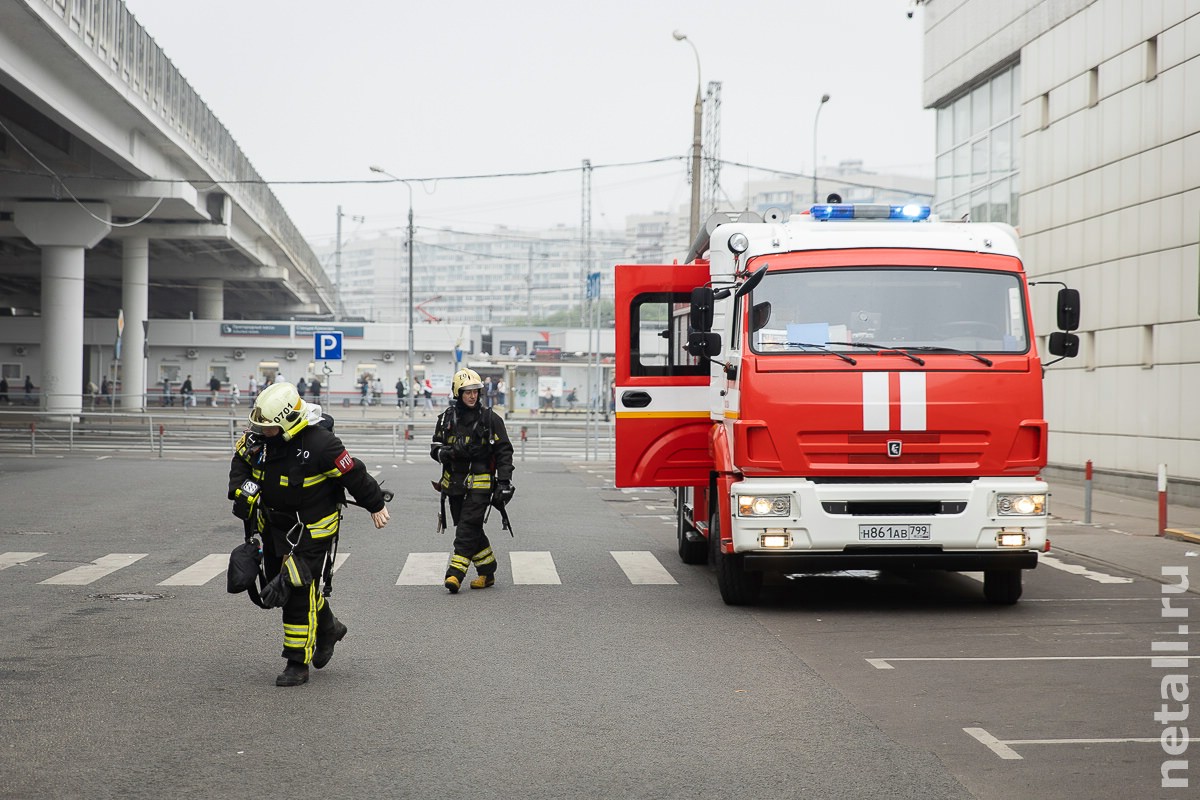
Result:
x=327 y=346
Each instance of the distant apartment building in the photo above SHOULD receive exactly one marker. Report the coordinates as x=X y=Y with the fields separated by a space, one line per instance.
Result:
x=849 y=179
x=502 y=276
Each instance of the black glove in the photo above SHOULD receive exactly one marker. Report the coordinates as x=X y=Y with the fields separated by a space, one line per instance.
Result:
x=276 y=592
x=445 y=454
x=245 y=497
x=504 y=492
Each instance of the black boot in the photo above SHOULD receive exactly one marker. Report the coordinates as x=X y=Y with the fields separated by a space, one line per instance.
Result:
x=294 y=674
x=324 y=650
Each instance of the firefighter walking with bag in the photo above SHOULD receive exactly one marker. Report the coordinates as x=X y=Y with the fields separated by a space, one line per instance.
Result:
x=472 y=445
x=286 y=480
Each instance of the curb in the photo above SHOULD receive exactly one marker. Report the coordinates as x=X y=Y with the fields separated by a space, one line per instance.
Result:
x=1182 y=535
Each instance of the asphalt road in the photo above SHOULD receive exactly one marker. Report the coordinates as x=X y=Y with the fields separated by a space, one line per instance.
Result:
x=614 y=681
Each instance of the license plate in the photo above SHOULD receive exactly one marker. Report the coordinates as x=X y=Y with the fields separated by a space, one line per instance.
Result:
x=893 y=533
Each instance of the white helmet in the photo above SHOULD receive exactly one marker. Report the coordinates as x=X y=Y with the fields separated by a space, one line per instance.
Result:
x=465 y=379
x=279 y=405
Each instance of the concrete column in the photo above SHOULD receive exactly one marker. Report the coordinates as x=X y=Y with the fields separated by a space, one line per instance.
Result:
x=63 y=231
x=135 y=301
x=211 y=300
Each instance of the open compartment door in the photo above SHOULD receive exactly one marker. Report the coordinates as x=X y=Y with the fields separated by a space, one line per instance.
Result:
x=662 y=392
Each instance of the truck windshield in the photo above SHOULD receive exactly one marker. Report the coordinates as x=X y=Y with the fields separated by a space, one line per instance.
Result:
x=974 y=311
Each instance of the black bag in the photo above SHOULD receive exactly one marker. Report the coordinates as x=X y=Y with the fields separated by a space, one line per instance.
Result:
x=245 y=571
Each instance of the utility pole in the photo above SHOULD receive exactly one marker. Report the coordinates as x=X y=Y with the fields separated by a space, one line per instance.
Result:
x=585 y=231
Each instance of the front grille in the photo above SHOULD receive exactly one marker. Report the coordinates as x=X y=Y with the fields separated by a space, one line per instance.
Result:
x=894 y=508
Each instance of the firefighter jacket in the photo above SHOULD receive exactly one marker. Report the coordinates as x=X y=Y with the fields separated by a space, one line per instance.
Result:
x=306 y=475
x=479 y=446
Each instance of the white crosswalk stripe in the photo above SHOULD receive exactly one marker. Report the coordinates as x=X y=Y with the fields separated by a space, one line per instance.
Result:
x=81 y=576
x=528 y=568
x=201 y=572
x=424 y=569
x=642 y=568
x=533 y=567
x=12 y=559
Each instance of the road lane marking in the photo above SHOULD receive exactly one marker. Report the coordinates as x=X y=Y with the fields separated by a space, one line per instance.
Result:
x=1084 y=572
x=338 y=560
x=885 y=663
x=12 y=559
x=1001 y=746
x=81 y=576
x=641 y=567
x=424 y=569
x=201 y=572
x=533 y=567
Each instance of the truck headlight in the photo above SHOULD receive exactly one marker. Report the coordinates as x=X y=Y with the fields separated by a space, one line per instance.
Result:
x=764 y=505
x=1021 y=505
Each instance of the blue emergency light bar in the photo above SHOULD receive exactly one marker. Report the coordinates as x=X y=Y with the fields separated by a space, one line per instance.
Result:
x=910 y=212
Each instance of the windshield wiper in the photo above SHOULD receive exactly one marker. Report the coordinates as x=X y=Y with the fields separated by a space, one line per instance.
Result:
x=881 y=350
x=925 y=348
x=824 y=349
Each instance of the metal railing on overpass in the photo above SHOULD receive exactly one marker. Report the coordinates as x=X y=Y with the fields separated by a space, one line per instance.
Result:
x=110 y=30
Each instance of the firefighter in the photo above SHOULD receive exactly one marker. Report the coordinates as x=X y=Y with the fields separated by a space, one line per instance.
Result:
x=286 y=479
x=471 y=443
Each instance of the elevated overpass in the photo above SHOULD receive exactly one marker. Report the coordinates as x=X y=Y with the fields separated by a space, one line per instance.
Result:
x=120 y=190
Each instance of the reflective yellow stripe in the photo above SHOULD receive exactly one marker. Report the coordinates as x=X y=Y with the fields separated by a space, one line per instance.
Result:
x=326 y=526
x=662 y=414
x=483 y=557
x=332 y=473
x=460 y=562
x=481 y=481
x=313 y=480
x=311 y=643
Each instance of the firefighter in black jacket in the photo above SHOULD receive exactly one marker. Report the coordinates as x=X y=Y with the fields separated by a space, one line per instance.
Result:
x=472 y=445
x=287 y=478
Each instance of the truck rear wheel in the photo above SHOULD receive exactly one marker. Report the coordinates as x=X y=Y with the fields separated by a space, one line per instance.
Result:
x=738 y=587
x=690 y=551
x=1002 y=586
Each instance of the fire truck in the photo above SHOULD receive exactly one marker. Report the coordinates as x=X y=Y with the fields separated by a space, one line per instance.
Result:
x=855 y=387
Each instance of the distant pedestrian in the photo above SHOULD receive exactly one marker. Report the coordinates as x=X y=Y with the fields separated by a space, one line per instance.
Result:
x=92 y=392
x=314 y=388
x=252 y=388
x=234 y=394
x=105 y=391
x=279 y=378
x=428 y=397
x=28 y=390
x=400 y=396
x=487 y=394
x=168 y=399
x=214 y=388
x=301 y=387
x=4 y=391
x=187 y=392
x=500 y=391
x=572 y=399
x=377 y=391
x=364 y=390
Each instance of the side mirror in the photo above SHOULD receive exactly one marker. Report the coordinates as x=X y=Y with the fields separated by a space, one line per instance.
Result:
x=704 y=345
x=1068 y=309
x=701 y=316
x=1063 y=345
x=760 y=313
x=751 y=282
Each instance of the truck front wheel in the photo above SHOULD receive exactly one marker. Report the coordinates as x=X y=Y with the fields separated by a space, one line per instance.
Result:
x=1002 y=586
x=738 y=587
x=691 y=551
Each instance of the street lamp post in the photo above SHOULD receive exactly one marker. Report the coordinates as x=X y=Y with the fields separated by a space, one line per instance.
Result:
x=697 y=121
x=410 y=400
x=816 y=117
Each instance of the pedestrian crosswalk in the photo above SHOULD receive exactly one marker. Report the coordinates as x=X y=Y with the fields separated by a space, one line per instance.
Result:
x=527 y=568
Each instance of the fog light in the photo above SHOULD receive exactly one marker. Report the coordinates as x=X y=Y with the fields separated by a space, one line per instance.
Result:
x=774 y=539
x=1011 y=539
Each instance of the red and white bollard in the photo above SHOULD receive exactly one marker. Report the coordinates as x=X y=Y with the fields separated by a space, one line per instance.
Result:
x=1162 y=499
x=1087 y=492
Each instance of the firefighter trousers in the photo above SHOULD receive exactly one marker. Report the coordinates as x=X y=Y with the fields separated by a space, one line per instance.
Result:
x=471 y=544
x=307 y=618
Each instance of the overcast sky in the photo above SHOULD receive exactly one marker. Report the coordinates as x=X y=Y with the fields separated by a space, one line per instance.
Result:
x=319 y=91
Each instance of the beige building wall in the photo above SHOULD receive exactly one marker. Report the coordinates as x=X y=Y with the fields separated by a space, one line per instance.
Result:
x=1109 y=203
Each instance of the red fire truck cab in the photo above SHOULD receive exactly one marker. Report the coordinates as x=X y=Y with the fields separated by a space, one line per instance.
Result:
x=858 y=387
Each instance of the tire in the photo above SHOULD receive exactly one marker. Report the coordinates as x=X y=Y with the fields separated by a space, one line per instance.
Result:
x=690 y=552
x=1002 y=586
x=738 y=587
